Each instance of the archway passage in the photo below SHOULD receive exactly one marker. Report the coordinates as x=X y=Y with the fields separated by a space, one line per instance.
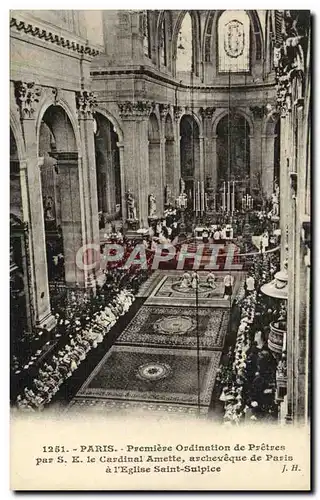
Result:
x=189 y=153
x=61 y=196
x=276 y=171
x=20 y=320
x=108 y=170
x=155 y=175
x=233 y=156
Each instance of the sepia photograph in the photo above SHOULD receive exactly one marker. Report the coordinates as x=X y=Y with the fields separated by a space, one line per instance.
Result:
x=160 y=249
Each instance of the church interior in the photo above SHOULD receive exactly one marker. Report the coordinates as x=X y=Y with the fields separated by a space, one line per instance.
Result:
x=160 y=238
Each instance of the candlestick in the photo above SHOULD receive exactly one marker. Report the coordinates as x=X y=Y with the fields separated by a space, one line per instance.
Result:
x=198 y=197
x=224 y=197
x=202 y=205
x=233 y=196
x=228 y=198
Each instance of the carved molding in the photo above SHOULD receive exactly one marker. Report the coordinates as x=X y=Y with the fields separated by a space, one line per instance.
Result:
x=48 y=36
x=207 y=112
x=289 y=57
x=178 y=112
x=258 y=111
x=27 y=96
x=86 y=103
x=129 y=109
x=164 y=109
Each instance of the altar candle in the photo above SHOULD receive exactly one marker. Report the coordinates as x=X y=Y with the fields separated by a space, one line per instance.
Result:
x=224 y=197
x=198 y=197
x=228 y=198
x=233 y=196
x=202 y=205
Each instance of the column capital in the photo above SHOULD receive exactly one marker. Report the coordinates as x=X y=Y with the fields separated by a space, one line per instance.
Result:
x=86 y=103
x=132 y=110
x=164 y=109
x=27 y=97
x=207 y=112
x=178 y=112
x=258 y=111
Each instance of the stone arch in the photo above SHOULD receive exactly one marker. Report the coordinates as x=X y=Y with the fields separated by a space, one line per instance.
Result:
x=209 y=40
x=167 y=17
x=15 y=126
x=60 y=181
x=193 y=114
x=233 y=159
x=108 y=169
x=62 y=103
x=115 y=122
x=218 y=117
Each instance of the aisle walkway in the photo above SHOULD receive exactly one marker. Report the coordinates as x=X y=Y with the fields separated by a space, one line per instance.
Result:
x=154 y=363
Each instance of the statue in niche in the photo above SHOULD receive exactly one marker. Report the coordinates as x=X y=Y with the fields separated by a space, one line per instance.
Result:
x=182 y=186
x=152 y=205
x=131 y=206
x=48 y=208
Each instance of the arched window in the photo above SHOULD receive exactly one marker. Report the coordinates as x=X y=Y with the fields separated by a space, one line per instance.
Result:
x=208 y=38
x=185 y=46
x=234 y=41
x=162 y=44
x=271 y=43
x=146 y=35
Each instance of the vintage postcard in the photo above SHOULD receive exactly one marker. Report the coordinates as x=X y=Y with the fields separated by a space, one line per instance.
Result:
x=160 y=250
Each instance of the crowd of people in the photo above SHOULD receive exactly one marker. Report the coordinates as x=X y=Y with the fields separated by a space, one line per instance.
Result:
x=75 y=310
x=247 y=373
x=55 y=371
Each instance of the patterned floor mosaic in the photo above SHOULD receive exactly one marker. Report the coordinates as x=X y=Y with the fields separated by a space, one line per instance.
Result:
x=151 y=375
x=176 y=327
x=153 y=364
x=165 y=287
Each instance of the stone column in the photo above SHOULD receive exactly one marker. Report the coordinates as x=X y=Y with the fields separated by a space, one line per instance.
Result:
x=27 y=96
x=107 y=178
x=122 y=181
x=85 y=102
x=71 y=220
x=155 y=175
x=210 y=160
x=267 y=170
x=177 y=167
x=201 y=155
x=255 y=146
x=135 y=154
